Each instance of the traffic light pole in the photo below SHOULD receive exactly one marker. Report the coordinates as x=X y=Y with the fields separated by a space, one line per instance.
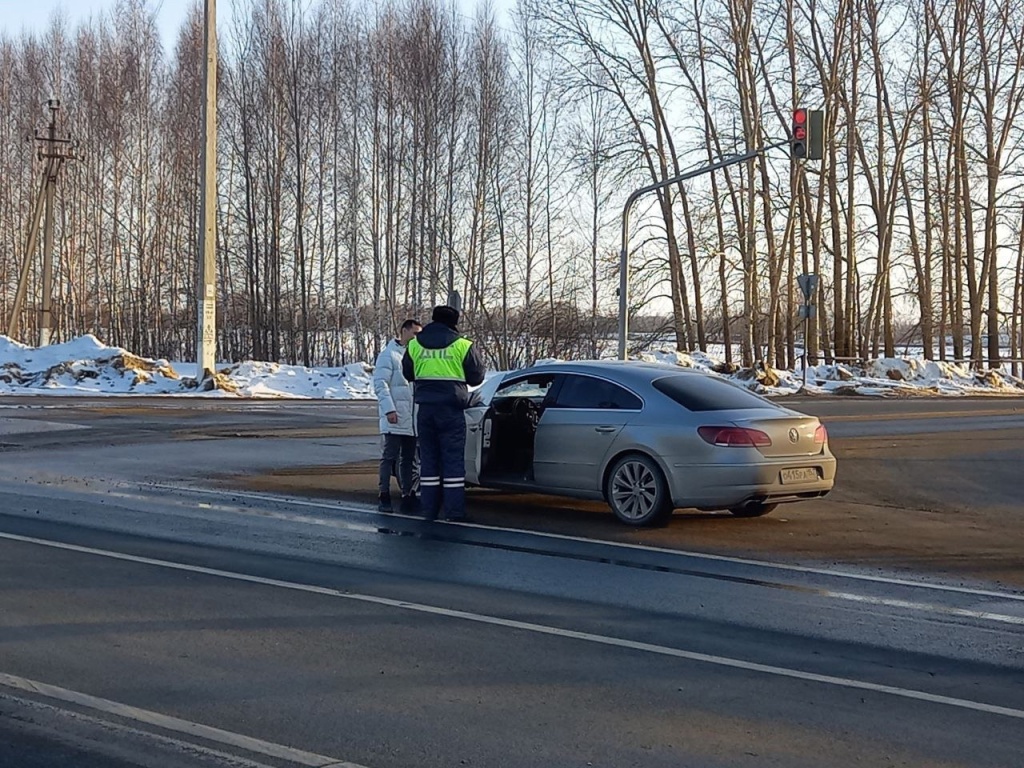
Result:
x=624 y=252
x=808 y=283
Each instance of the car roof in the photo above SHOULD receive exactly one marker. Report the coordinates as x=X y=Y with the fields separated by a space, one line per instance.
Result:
x=618 y=370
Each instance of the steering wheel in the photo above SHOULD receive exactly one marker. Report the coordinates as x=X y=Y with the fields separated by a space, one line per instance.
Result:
x=524 y=408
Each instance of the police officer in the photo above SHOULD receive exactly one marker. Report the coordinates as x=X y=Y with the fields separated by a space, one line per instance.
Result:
x=442 y=363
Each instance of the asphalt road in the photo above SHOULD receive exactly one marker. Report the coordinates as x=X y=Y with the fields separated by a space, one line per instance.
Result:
x=147 y=620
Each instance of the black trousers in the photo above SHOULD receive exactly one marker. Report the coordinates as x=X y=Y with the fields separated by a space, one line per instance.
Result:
x=442 y=440
x=399 y=458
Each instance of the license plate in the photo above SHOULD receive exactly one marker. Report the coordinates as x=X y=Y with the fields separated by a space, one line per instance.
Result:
x=799 y=475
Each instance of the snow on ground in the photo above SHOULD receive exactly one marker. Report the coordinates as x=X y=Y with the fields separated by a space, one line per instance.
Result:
x=86 y=366
x=82 y=366
x=253 y=379
x=881 y=377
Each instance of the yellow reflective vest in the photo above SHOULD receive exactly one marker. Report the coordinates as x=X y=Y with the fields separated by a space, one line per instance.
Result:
x=445 y=364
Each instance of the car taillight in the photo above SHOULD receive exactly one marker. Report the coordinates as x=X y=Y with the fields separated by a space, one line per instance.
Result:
x=820 y=435
x=734 y=437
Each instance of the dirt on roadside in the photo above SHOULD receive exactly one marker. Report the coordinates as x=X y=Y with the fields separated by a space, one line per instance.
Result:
x=946 y=504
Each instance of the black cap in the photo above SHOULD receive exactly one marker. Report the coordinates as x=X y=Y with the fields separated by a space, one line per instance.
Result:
x=447 y=315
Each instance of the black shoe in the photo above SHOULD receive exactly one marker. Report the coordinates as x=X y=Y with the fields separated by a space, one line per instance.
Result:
x=463 y=518
x=384 y=503
x=410 y=505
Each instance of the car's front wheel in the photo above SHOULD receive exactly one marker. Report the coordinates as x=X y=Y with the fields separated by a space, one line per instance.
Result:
x=637 y=492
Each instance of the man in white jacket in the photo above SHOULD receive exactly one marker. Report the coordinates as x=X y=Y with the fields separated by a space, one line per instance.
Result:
x=397 y=421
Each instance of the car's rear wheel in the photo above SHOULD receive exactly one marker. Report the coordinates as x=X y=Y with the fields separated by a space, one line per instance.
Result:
x=637 y=492
x=757 y=509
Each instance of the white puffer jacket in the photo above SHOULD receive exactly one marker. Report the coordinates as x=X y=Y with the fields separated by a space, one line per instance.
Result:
x=394 y=393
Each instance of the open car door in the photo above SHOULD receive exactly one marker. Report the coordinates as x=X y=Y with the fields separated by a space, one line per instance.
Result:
x=475 y=423
x=480 y=400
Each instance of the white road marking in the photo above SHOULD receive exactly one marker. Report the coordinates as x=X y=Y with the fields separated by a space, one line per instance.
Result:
x=295 y=517
x=370 y=510
x=541 y=629
x=177 y=725
x=912 y=605
x=111 y=725
x=28 y=426
x=889 y=602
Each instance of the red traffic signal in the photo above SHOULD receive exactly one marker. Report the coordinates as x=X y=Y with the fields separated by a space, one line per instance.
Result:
x=807 y=140
x=798 y=136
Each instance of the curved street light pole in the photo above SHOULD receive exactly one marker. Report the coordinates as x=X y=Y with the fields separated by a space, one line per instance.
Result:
x=624 y=251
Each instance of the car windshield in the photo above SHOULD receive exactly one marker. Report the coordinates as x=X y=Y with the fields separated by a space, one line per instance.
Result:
x=706 y=393
x=483 y=394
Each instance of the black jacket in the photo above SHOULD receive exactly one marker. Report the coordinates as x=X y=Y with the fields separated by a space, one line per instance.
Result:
x=455 y=393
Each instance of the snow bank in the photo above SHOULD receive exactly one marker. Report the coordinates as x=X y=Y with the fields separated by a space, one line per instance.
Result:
x=255 y=379
x=892 y=376
x=881 y=377
x=82 y=366
x=86 y=366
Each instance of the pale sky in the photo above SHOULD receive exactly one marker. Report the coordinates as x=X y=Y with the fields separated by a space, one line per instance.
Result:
x=34 y=15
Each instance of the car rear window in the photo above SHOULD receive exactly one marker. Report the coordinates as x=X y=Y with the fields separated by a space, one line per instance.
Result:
x=705 y=393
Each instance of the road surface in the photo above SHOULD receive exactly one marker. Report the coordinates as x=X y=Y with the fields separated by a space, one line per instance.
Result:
x=148 y=617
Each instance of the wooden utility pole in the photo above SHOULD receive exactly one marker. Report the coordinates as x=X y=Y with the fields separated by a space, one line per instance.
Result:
x=54 y=151
x=206 y=341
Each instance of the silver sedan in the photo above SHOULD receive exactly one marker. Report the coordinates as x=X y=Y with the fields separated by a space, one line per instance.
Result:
x=646 y=438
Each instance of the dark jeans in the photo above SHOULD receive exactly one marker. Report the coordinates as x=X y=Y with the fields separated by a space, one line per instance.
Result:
x=442 y=431
x=399 y=458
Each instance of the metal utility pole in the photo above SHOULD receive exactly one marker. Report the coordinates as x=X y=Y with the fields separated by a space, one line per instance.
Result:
x=54 y=151
x=808 y=286
x=206 y=335
x=454 y=299
x=624 y=251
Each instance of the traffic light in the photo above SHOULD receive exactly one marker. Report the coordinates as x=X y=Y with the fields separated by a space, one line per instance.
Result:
x=807 y=138
x=798 y=136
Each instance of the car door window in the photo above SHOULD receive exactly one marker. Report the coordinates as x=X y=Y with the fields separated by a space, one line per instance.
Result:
x=586 y=392
x=535 y=387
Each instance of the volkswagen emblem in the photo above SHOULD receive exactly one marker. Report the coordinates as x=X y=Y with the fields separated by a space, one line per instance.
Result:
x=794 y=436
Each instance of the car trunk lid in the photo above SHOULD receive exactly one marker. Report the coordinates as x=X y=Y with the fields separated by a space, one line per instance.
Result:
x=792 y=435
